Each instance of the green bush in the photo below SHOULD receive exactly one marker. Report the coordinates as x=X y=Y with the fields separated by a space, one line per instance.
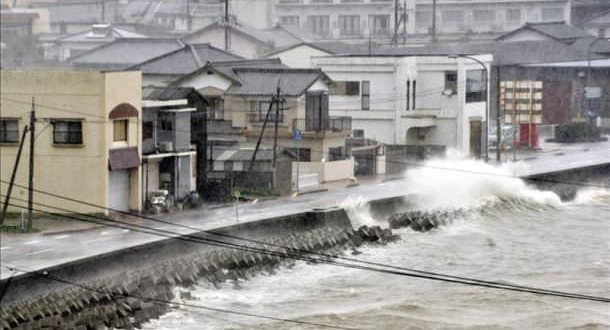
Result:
x=577 y=132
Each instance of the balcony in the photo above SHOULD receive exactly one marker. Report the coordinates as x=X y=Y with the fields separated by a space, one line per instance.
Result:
x=318 y=125
x=259 y=118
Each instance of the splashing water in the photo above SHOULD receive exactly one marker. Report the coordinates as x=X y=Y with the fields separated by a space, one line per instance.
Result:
x=359 y=212
x=592 y=195
x=458 y=182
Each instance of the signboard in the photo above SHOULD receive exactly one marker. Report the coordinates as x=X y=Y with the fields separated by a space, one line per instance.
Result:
x=521 y=101
x=593 y=92
x=297 y=135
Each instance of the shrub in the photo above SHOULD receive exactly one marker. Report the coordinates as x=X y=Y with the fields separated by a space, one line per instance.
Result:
x=577 y=132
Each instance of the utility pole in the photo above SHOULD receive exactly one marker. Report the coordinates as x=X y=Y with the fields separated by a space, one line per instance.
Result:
x=31 y=174
x=227 y=43
x=277 y=122
x=395 y=37
x=260 y=136
x=433 y=20
x=15 y=167
x=189 y=19
x=103 y=2
x=404 y=23
x=498 y=121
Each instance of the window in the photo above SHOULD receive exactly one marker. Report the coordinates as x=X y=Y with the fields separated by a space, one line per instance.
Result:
x=450 y=82
x=147 y=130
x=366 y=95
x=348 y=88
x=289 y=20
x=552 y=14
x=67 y=132
x=9 y=131
x=166 y=124
x=119 y=130
x=379 y=25
x=349 y=25
x=408 y=96
x=358 y=133
x=335 y=154
x=260 y=109
x=413 y=94
x=513 y=17
x=318 y=25
x=453 y=17
x=484 y=16
x=476 y=86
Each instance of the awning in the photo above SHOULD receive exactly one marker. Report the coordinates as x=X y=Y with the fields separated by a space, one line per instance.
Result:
x=124 y=158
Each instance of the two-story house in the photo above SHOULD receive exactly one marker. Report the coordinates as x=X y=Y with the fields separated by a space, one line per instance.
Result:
x=168 y=147
x=412 y=100
x=87 y=142
x=246 y=89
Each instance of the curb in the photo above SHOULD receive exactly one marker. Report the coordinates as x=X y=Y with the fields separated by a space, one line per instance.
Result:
x=311 y=191
x=71 y=231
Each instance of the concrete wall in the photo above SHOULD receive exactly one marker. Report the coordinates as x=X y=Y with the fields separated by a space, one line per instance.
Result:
x=327 y=171
x=299 y=57
x=73 y=171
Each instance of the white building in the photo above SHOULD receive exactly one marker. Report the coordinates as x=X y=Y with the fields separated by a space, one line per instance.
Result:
x=411 y=100
x=359 y=19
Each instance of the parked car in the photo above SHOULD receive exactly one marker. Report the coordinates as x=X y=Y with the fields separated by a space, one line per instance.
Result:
x=507 y=137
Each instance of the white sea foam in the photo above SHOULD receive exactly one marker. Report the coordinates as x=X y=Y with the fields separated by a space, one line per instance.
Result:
x=359 y=212
x=592 y=195
x=458 y=182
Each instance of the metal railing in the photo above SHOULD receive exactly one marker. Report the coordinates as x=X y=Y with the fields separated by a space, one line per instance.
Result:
x=330 y=124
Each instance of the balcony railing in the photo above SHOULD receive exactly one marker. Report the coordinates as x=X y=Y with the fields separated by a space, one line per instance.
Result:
x=260 y=117
x=331 y=124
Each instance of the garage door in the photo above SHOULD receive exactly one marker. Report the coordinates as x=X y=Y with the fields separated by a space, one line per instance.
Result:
x=118 y=190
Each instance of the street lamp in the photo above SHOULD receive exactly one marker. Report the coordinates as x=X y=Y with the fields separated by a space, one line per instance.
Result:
x=588 y=81
x=455 y=56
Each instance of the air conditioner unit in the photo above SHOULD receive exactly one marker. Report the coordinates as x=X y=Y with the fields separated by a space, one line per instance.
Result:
x=166 y=146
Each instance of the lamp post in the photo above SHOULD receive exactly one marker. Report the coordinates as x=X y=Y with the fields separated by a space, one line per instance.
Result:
x=588 y=81
x=486 y=71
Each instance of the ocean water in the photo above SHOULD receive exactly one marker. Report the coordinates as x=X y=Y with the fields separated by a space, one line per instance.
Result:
x=511 y=233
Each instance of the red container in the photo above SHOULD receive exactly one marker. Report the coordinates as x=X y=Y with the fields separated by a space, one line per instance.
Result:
x=524 y=135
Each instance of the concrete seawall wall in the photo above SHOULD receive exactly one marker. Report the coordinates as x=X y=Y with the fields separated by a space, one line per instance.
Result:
x=154 y=269
x=567 y=183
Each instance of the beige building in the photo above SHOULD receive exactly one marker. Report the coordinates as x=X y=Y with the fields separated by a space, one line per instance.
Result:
x=88 y=137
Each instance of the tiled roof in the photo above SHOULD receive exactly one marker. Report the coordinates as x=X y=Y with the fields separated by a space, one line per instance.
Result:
x=602 y=19
x=123 y=53
x=185 y=60
x=89 y=35
x=555 y=30
x=264 y=81
x=155 y=93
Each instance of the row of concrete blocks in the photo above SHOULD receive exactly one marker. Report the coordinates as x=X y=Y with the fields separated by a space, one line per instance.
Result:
x=120 y=302
x=423 y=220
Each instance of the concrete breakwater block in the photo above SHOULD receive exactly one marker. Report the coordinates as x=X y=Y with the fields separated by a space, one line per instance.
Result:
x=422 y=220
x=372 y=234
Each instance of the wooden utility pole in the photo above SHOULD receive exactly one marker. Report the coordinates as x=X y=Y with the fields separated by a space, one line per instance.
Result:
x=11 y=183
x=277 y=122
x=226 y=19
x=498 y=121
x=31 y=172
x=189 y=19
x=433 y=20
x=260 y=136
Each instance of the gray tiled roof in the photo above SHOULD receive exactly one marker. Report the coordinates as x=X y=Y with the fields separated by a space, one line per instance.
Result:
x=602 y=19
x=156 y=93
x=123 y=53
x=228 y=68
x=185 y=60
x=555 y=30
x=264 y=81
x=88 y=36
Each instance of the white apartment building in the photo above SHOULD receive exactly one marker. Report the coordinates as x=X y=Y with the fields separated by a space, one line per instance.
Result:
x=412 y=100
x=359 y=19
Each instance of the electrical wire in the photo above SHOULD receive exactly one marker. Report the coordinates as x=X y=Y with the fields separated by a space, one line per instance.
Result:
x=172 y=304
x=325 y=255
x=292 y=255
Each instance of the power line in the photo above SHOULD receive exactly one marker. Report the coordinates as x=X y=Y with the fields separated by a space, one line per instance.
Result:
x=284 y=247
x=173 y=304
x=291 y=255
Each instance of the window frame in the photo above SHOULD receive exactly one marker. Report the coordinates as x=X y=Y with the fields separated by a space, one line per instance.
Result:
x=73 y=137
x=476 y=95
x=451 y=85
x=365 y=97
x=349 y=25
x=345 y=88
x=4 y=132
x=124 y=128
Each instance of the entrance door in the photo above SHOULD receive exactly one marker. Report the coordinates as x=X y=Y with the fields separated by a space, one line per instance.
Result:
x=475 y=138
x=118 y=190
